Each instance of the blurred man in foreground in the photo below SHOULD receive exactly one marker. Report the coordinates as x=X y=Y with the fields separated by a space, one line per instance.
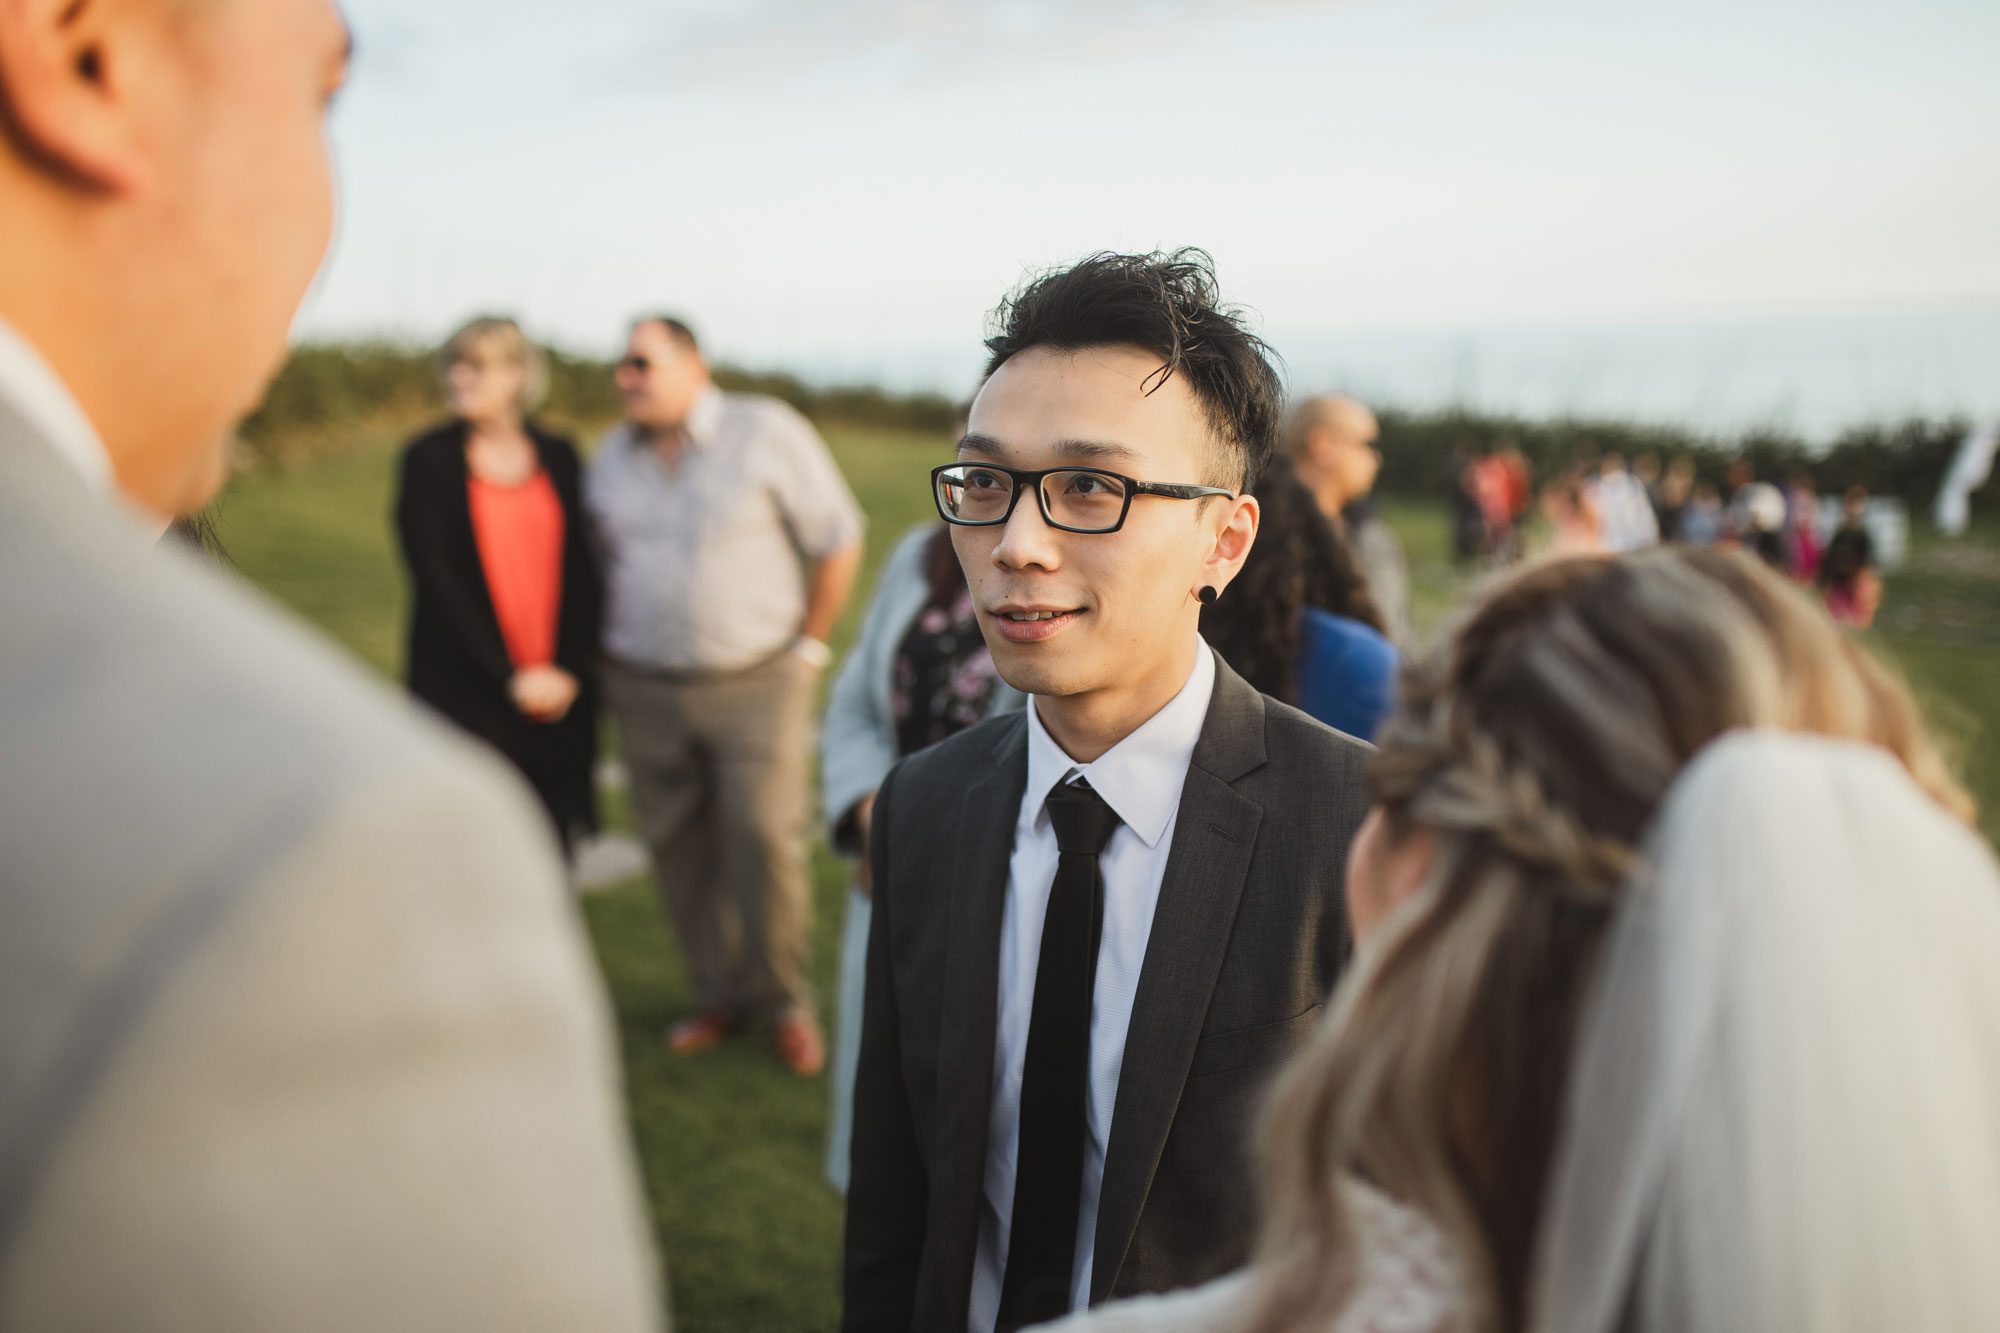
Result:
x=1331 y=441
x=296 y=1028
x=731 y=543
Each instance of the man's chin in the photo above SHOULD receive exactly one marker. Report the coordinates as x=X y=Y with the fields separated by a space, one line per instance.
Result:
x=1032 y=669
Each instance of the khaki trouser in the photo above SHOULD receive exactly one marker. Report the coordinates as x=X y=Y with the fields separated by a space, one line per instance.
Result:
x=718 y=770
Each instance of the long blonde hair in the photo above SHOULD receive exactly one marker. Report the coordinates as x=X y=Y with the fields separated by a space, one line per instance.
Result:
x=1534 y=744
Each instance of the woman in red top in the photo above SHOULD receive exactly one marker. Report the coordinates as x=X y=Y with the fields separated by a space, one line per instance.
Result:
x=504 y=620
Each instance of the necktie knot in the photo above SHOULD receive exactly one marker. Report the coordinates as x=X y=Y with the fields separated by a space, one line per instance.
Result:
x=1082 y=821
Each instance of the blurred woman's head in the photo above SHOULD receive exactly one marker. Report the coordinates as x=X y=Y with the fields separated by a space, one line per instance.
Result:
x=492 y=374
x=1530 y=752
x=1299 y=560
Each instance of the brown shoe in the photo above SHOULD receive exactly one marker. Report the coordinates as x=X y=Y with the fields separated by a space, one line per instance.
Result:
x=800 y=1046
x=697 y=1033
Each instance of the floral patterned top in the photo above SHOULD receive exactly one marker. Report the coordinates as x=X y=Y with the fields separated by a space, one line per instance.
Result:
x=944 y=676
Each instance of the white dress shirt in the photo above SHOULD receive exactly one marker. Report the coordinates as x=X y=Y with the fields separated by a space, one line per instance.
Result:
x=30 y=386
x=1140 y=778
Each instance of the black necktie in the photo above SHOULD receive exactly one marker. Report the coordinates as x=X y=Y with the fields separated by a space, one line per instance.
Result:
x=1055 y=1074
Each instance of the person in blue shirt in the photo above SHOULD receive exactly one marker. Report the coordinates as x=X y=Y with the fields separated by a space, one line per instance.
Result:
x=1298 y=623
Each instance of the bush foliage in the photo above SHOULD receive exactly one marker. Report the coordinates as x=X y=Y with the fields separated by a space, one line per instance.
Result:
x=330 y=393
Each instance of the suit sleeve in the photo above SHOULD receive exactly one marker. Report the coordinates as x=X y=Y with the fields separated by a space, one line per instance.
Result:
x=382 y=1094
x=889 y=1190
x=451 y=584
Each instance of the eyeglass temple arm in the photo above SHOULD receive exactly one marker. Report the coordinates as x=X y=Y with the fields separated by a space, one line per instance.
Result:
x=1174 y=491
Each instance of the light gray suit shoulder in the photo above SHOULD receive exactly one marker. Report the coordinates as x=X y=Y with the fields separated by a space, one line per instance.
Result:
x=296 y=1026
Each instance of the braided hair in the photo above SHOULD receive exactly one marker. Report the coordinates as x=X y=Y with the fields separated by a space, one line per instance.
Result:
x=1531 y=749
x=1299 y=560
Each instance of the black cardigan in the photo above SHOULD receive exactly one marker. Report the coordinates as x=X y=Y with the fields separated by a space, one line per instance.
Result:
x=458 y=661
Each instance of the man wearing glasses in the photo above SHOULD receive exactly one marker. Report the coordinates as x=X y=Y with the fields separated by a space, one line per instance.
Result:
x=1098 y=925
x=730 y=545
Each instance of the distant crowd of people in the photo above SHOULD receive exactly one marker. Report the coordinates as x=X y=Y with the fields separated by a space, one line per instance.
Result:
x=1638 y=976
x=1602 y=504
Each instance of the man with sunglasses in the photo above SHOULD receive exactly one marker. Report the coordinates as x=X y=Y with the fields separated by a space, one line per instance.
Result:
x=1100 y=924
x=730 y=545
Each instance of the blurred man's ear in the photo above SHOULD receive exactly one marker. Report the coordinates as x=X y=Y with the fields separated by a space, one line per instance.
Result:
x=74 y=73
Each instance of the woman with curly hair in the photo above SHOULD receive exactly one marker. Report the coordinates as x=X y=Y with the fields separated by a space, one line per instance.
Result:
x=1298 y=622
x=1673 y=1004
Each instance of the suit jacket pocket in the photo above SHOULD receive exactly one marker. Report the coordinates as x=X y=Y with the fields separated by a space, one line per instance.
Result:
x=1246 y=1048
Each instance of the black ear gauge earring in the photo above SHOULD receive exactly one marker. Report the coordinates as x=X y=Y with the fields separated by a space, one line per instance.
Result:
x=1207 y=595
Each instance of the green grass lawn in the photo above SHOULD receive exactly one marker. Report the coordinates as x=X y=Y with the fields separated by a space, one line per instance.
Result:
x=730 y=1142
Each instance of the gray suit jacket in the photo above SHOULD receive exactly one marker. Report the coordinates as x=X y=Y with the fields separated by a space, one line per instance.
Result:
x=297 y=1030
x=1248 y=938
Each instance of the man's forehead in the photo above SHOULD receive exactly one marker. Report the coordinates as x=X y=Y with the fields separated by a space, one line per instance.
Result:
x=1097 y=407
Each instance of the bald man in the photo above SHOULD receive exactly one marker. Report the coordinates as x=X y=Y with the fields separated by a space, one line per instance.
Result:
x=297 y=1030
x=1331 y=442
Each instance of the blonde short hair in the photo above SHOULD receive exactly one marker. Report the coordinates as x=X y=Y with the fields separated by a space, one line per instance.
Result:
x=490 y=338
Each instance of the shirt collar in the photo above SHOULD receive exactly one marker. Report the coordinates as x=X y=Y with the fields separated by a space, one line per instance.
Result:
x=1140 y=777
x=704 y=420
x=32 y=388
x=705 y=416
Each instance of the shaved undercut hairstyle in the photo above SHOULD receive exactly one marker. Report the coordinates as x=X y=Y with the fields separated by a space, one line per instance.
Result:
x=1166 y=304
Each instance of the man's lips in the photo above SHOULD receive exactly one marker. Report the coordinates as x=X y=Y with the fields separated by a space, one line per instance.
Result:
x=1033 y=624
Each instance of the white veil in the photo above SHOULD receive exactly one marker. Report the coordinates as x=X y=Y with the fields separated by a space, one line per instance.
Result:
x=1784 y=1111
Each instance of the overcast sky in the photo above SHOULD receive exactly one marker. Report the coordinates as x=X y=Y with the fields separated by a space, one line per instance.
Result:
x=836 y=184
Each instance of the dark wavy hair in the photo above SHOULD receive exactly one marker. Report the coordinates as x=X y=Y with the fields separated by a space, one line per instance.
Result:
x=1299 y=560
x=1166 y=304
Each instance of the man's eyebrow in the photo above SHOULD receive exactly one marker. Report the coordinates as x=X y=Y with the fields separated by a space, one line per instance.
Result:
x=974 y=443
x=1073 y=451
x=1095 y=451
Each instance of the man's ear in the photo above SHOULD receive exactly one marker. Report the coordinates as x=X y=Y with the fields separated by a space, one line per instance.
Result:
x=69 y=82
x=1232 y=542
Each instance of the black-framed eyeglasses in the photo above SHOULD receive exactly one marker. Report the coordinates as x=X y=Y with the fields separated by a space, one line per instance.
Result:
x=1074 y=499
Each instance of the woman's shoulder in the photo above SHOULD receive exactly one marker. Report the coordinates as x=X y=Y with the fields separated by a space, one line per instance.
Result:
x=435 y=446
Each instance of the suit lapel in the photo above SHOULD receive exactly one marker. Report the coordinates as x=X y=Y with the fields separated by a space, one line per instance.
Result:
x=978 y=888
x=1215 y=833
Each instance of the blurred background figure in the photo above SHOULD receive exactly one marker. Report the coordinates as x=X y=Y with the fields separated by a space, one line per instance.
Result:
x=1803 y=539
x=505 y=614
x=1298 y=622
x=297 y=1028
x=1758 y=513
x=731 y=543
x=1623 y=506
x=1331 y=442
x=1570 y=510
x=1675 y=495
x=1468 y=520
x=1703 y=522
x=1970 y=468
x=1736 y=495
x=1847 y=574
x=919 y=672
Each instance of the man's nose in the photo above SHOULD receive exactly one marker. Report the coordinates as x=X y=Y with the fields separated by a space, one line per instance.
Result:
x=1027 y=540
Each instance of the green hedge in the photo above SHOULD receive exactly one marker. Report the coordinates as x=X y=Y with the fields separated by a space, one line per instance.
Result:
x=328 y=393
